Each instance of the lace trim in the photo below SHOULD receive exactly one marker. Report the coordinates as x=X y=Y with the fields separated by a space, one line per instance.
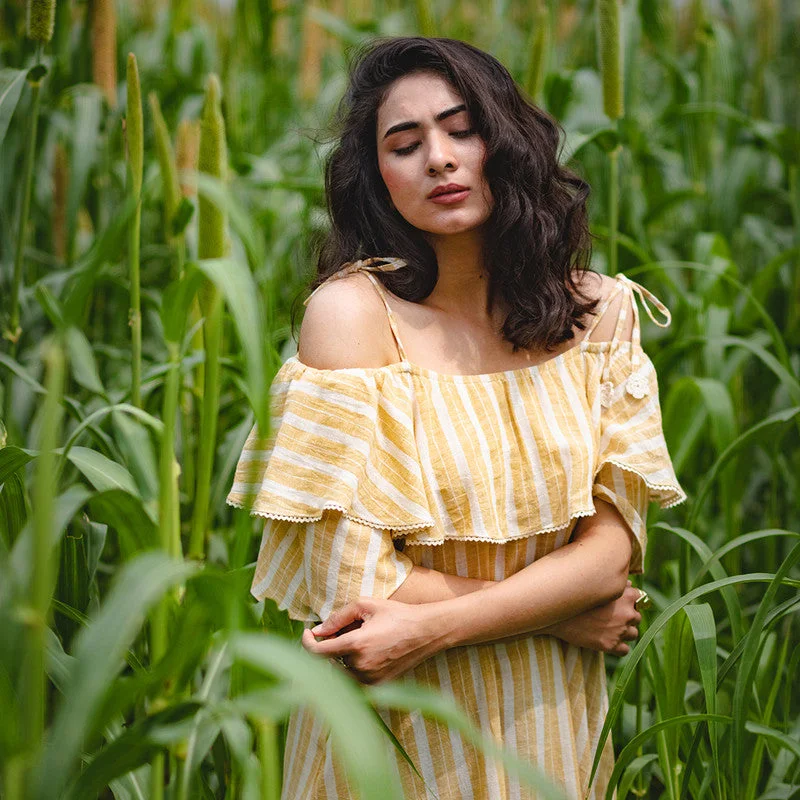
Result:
x=667 y=487
x=370 y=523
x=487 y=539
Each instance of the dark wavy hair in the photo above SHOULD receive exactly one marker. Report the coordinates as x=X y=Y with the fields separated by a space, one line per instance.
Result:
x=537 y=233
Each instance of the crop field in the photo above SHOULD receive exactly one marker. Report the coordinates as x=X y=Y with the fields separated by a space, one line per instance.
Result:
x=161 y=196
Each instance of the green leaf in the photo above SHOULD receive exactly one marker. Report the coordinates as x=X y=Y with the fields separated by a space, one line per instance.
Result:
x=778 y=418
x=99 y=654
x=127 y=515
x=67 y=506
x=632 y=748
x=176 y=303
x=102 y=472
x=11 y=83
x=335 y=699
x=133 y=748
x=411 y=697
x=12 y=459
x=234 y=281
x=137 y=447
x=632 y=659
x=753 y=641
x=82 y=362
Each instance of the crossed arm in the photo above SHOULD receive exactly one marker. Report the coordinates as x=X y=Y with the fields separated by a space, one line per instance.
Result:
x=432 y=611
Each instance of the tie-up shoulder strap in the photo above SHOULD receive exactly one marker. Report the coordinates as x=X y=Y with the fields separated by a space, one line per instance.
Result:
x=367 y=266
x=635 y=384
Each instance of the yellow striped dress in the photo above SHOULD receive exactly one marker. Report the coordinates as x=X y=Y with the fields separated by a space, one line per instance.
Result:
x=369 y=471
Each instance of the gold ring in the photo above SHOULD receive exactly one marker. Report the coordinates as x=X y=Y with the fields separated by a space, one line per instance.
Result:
x=343 y=662
x=644 y=599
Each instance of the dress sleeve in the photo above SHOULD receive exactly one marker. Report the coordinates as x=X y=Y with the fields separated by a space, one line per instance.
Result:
x=634 y=467
x=336 y=478
x=310 y=569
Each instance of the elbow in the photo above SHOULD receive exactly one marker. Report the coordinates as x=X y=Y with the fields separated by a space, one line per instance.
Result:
x=618 y=580
x=613 y=581
x=620 y=583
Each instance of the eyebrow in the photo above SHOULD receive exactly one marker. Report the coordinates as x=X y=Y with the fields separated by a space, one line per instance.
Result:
x=406 y=126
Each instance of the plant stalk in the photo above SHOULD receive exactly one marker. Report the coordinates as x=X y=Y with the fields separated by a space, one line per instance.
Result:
x=613 y=209
x=135 y=145
x=41 y=585
x=14 y=330
x=268 y=757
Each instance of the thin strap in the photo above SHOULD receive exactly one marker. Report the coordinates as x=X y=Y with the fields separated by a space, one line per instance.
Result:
x=392 y=321
x=368 y=266
x=631 y=289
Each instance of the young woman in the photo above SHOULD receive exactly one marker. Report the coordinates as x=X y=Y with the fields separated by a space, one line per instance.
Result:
x=465 y=446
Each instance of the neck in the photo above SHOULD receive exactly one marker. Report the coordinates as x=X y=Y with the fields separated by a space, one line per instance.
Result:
x=462 y=287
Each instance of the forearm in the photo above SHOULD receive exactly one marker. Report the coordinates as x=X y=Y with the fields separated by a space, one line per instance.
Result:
x=585 y=573
x=425 y=585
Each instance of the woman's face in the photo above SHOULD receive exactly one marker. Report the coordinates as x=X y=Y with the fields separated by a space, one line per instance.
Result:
x=426 y=144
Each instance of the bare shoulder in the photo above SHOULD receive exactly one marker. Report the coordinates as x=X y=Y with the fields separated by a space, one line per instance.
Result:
x=595 y=285
x=345 y=326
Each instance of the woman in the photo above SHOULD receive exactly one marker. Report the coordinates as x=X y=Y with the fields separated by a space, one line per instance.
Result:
x=465 y=446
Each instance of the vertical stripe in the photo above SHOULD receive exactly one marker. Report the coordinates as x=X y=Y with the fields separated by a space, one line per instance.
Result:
x=569 y=776
x=509 y=713
x=479 y=687
x=462 y=770
x=281 y=552
x=512 y=524
x=424 y=750
x=532 y=450
x=477 y=428
x=464 y=475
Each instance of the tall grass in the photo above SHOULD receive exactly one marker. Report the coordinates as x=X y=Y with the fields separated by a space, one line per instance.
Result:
x=130 y=670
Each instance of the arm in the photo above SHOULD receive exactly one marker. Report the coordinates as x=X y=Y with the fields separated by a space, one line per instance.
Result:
x=395 y=637
x=604 y=628
x=425 y=585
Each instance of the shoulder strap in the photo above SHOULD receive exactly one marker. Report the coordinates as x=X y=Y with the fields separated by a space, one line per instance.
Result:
x=632 y=288
x=392 y=321
x=369 y=265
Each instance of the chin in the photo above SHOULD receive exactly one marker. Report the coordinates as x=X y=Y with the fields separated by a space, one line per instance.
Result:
x=449 y=227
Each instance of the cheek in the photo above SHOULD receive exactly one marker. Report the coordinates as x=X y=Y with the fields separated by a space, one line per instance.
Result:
x=393 y=178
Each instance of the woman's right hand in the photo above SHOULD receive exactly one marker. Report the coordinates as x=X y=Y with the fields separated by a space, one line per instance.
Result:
x=605 y=628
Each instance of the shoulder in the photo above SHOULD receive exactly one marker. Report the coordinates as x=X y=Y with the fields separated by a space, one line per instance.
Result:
x=602 y=287
x=345 y=326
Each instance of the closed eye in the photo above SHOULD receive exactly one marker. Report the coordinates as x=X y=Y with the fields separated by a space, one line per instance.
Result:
x=404 y=151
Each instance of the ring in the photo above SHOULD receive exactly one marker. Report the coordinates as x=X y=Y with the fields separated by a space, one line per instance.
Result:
x=342 y=660
x=644 y=599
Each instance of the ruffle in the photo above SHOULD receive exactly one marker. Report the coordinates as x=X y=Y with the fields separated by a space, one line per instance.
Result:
x=340 y=440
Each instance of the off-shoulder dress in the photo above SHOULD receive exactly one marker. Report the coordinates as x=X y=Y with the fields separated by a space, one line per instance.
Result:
x=369 y=471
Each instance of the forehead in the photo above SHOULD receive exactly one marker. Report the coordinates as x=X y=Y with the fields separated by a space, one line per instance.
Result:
x=415 y=97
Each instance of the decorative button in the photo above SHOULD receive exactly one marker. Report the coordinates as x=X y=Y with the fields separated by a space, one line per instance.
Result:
x=637 y=385
x=606 y=393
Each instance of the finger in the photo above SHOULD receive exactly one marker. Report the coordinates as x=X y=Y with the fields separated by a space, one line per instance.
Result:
x=622 y=650
x=630 y=583
x=631 y=593
x=631 y=633
x=338 y=619
x=339 y=646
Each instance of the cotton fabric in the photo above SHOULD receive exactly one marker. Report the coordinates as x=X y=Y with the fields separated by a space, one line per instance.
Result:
x=367 y=472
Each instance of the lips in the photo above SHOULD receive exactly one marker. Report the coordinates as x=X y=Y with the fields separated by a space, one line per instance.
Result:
x=450 y=188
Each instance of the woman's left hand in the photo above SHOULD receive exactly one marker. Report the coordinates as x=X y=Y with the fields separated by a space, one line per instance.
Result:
x=392 y=638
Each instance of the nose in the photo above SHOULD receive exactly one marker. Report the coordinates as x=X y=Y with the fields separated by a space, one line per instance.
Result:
x=440 y=153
